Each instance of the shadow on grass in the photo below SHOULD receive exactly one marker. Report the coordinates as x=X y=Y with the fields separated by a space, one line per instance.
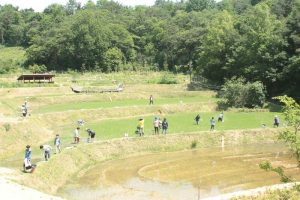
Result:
x=274 y=107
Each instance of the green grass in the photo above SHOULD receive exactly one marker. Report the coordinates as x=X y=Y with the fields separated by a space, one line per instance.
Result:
x=12 y=53
x=11 y=59
x=180 y=123
x=119 y=103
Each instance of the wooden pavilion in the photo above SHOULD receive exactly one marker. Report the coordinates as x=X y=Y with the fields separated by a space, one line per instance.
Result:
x=39 y=78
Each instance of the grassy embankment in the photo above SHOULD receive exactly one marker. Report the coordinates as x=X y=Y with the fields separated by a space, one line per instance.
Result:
x=56 y=109
x=111 y=118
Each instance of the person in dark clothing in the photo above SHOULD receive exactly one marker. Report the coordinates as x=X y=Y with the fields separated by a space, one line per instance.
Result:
x=276 y=121
x=151 y=101
x=212 y=124
x=165 y=126
x=197 y=119
x=91 y=135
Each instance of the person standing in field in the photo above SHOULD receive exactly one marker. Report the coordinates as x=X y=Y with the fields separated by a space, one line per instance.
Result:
x=26 y=107
x=140 y=127
x=27 y=159
x=47 y=151
x=156 y=125
x=212 y=124
x=151 y=100
x=165 y=126
x=76 y=135
x=24 y=110
x=276 y=121
x=197 y=119
x=57 y=143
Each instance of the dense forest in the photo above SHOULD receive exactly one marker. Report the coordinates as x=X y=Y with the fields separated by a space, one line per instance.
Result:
x=255 y=39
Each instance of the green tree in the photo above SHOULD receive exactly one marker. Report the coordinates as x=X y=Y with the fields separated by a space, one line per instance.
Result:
x=113 y=59
x=259 y=54
x=199 y=5
x=238 y=93
x=290 y=135
x=216 y=47
x=235 y=6
x=292 y=70
x=72 y=6
x=11 y=26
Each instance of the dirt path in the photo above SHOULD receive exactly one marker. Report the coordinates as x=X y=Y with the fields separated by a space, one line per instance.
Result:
x=11 y=190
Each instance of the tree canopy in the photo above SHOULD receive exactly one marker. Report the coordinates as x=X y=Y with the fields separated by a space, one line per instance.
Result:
x=256 y=40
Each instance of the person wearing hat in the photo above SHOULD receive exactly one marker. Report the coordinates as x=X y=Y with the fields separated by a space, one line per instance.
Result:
x=27 y=159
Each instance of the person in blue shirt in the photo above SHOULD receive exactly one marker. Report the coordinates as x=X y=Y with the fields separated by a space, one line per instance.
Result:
x=27 y=161
x=28 y=153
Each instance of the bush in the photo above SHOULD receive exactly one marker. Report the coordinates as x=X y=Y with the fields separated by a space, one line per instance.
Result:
x=194 y=144
x=7 y=66
x=239 y=94
x=168 y=79
x=37 y=68
x=6 y=127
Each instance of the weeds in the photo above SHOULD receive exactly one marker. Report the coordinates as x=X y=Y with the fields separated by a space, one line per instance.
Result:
x=6 y=127
x=194 y=144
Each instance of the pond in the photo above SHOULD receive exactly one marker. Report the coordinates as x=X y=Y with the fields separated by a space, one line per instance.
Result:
x=194 y=174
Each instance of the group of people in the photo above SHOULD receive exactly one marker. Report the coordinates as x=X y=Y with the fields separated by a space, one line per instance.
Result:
x=28 y=166
x=90 y=132
x=46 y=148
x=158 y=126
x=212 y=120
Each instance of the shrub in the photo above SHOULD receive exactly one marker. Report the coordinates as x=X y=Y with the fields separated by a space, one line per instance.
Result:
x=113 y=59
x=168 y=79
x=194 y=144
x=37 y=68
x=7 y=66
x=7 y=127
x=238 y=93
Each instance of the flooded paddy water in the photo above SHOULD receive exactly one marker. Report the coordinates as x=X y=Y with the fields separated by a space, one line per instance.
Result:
x=194 y=174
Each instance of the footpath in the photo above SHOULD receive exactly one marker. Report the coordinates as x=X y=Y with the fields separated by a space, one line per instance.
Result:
x=10 y=190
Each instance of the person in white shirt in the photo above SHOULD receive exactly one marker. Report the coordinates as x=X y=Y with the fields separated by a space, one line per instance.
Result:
x=47 y=151
x=76 y=135
x=57 y=143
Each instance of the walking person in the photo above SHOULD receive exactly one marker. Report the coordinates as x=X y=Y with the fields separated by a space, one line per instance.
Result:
x=47 y=151
x=212 y=124
x=156 y=125
x=165 y=126
x=76 y=135
x=276 y=121
x=151 y=100
x=57 y=143
x=197 y=119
